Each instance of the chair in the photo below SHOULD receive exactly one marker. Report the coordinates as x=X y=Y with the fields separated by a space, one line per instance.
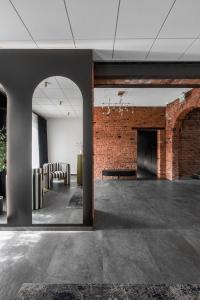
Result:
x=55 y=170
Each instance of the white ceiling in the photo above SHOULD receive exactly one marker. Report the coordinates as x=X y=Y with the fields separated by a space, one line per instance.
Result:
x=115 y=29
x=138 y=96
x=46 y=99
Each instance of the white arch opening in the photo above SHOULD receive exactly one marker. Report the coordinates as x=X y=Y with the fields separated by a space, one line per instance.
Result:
x=57 y=143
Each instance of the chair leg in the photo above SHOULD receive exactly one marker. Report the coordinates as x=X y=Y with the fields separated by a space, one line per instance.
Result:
x=65 y=180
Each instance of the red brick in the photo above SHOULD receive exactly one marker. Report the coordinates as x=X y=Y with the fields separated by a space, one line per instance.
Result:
x=115 y=137
x=176 y=113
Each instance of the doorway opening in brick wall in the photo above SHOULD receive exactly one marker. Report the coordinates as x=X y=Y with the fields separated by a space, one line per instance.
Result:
x=147 y=153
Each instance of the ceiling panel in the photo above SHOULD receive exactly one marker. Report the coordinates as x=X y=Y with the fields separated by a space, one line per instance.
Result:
x=93 y=19
x=66 y=83
x=141 y=18
x=102 y=55
x=76 y=102
x=38 y=93
x=102 y=48
x=56 y=44
x=41 y=101
x=46 y=19
x=168 y=49
x=183 y=21
x=132 y=49
x=93 y=25
x=138 y=96
x=193 y=53
x=54 y=94
x=45 y=107
x=72 y=94
x=46 y=99
x=17 y=44
x=67 y=108
x=11 y=27
x=65 y=102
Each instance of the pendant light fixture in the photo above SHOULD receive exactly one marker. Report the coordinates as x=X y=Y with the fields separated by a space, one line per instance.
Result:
x=119 y=106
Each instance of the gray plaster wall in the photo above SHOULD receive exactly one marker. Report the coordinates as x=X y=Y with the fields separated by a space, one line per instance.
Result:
x=20 y=73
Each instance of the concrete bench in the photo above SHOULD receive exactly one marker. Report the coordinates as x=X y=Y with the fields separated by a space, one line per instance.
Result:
x=119 y=172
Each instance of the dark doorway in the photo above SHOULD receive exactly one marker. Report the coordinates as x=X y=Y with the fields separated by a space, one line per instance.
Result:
x=147 y=154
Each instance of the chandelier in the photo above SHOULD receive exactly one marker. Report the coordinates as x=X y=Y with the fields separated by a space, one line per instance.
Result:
x=121 y=106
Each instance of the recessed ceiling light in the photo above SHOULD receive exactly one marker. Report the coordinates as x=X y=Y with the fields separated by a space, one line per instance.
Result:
x=121 y=93
x=46 y=83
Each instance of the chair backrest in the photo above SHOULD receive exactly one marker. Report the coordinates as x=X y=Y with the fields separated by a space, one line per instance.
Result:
x=52 y=167
x=63 y=167
x=48 y=168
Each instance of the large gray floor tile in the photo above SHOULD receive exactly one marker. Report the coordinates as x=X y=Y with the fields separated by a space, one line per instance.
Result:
x=127 y=259
x=176 y=259
x=77 y=259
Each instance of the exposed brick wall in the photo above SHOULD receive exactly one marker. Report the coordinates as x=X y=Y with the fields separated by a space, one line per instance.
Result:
x=115 y=137
x=189 y=144
x=161 y=154
x=175 y=114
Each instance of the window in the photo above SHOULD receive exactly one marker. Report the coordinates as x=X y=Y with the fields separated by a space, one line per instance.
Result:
x=35 y=142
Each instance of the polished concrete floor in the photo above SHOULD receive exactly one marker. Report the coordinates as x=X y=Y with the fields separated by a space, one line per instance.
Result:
x=56 y=208
x=146 y=232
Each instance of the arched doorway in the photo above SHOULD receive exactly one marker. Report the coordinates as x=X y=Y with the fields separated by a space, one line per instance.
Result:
x=189 y=144
x=3 y=155
x=57 y=144
x=186 y=143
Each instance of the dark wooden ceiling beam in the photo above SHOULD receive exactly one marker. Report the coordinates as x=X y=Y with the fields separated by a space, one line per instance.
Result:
x=152 y=83
x=146 y=74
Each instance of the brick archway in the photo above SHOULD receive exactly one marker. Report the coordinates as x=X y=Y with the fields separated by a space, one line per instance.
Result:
x=176 y=112
x=185 y=143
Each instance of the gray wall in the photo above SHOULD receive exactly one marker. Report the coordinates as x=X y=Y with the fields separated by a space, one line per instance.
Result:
x=20 y=72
